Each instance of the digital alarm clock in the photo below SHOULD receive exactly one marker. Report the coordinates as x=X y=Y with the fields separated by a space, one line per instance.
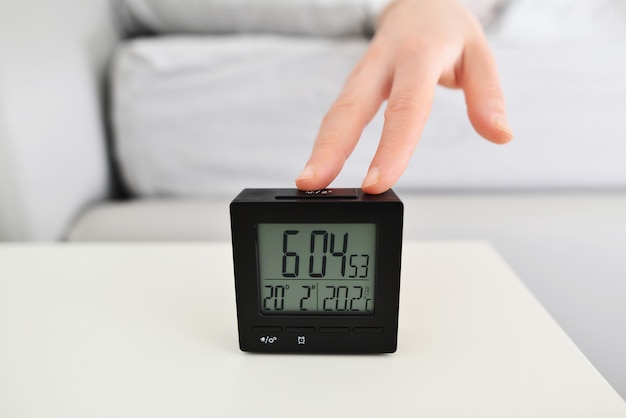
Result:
x=317 y=272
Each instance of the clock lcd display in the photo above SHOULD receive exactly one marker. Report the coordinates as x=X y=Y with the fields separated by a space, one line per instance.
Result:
x=317 y=268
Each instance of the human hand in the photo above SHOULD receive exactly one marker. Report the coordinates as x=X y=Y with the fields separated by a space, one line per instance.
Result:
x=418 y=44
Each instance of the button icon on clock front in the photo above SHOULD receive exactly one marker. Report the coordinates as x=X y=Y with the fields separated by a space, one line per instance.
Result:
x=268 y=340
x=301 y=340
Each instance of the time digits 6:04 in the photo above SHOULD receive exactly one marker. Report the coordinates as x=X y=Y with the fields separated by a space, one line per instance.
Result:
x=321 y=245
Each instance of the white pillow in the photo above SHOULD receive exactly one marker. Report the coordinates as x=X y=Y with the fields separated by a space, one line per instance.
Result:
x=212 y=115
x=207 y=115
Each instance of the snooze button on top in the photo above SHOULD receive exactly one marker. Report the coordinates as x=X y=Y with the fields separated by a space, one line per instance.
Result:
x=340 y=193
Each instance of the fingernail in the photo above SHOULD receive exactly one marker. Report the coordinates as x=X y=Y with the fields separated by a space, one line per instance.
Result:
x=307 y=173
x=372 y=177
x=503 y=126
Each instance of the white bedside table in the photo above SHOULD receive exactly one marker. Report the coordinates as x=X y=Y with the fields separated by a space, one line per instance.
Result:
x=127 y=331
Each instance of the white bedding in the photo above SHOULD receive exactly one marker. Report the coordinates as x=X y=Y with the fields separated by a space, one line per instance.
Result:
x=210 y=115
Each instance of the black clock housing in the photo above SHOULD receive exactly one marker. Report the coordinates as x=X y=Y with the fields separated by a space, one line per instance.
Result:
x=317 y=272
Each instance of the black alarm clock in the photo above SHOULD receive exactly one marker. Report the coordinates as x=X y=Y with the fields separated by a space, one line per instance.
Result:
x=317 y=272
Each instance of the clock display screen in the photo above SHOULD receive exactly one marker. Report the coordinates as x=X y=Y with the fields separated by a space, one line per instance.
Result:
x=317 y=268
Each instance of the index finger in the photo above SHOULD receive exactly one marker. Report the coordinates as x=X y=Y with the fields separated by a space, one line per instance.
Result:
x=408 y=108
x=342 y=126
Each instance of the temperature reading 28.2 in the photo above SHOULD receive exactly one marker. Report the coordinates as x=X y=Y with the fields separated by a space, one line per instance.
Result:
x=317 y=268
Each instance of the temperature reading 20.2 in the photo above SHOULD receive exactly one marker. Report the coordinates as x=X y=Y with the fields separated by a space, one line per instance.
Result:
x=279 y=297
x=317 y=268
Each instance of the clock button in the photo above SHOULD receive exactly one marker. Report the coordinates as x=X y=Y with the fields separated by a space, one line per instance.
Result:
x=267 y=329
x=300 y=330
x=368 y=330
x=317 y=194
x=335 y=330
